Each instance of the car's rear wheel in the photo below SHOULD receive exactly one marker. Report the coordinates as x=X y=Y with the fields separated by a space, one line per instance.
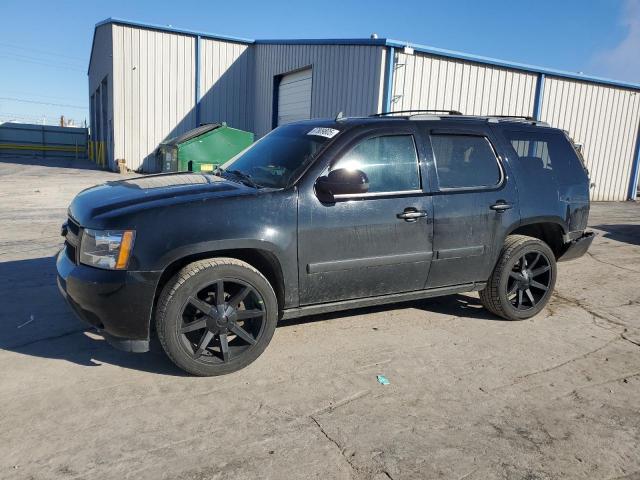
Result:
x=522 y=281
x=216 y=316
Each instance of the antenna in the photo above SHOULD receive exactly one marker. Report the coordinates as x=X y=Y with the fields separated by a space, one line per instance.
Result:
x=340 y=117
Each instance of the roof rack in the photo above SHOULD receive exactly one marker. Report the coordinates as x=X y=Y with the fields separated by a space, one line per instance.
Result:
x=523 y=117
x=516 y=118
x=448 y=112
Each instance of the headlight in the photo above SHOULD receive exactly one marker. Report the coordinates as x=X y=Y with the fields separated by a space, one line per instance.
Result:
x=108 y=249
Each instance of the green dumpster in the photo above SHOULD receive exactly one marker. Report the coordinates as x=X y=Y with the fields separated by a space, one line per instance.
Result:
x=202 y=149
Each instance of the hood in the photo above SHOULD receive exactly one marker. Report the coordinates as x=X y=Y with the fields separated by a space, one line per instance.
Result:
x=153 y=190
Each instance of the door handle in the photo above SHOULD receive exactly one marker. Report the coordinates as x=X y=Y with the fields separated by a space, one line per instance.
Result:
x=411 y=214
x=500 y=206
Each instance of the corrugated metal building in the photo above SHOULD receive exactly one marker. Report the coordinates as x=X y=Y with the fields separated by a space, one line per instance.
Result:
x=149 y=82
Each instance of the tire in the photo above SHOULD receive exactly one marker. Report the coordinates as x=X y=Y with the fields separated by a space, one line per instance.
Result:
x=201 y=331
x=506 y=292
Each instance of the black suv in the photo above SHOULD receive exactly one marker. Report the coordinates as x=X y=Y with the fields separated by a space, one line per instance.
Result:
x=326 y=215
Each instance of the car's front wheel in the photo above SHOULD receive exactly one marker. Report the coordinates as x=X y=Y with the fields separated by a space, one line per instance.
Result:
x=216 y=316
x=522 y=281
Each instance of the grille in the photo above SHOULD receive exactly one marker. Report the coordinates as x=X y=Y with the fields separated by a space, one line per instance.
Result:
x=72 y=240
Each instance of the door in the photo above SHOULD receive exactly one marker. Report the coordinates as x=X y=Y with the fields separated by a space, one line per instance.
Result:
x=367 y=244
x=294 y=97
x=475 y=203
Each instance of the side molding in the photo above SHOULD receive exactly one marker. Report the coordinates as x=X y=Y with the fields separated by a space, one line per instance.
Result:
x=380 y=300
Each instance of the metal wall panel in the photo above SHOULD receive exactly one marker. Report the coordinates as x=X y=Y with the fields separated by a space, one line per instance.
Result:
x=428 y=82
x=23 y=139
x=101 y=89
x=154 y=91
x=226 y=83
x=345 y=78
x=605 y=120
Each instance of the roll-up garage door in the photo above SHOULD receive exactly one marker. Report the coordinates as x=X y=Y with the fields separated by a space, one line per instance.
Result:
x=294 y=97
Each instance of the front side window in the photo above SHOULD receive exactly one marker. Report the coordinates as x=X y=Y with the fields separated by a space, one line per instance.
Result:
x=390 y=162
x=465 y=161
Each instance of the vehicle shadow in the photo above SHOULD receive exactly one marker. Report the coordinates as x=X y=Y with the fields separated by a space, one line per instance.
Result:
x=626 y=233
x=35 y=320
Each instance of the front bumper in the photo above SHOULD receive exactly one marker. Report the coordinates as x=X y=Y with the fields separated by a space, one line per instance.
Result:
x=577 y=247
x=118 y=303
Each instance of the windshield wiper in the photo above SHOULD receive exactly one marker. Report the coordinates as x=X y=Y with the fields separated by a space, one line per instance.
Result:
x=243 y=177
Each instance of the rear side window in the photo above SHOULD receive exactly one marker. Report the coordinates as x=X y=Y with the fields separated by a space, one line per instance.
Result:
x=545 y=154
x=465 y=161
x=533 y=151
x=390 y=162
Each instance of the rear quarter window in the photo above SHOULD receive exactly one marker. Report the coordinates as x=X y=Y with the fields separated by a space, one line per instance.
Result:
x=545 y=155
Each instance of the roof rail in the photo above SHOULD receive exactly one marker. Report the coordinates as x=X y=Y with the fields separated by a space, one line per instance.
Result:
x=516 y=118
x=448 y=112
x=524 y=117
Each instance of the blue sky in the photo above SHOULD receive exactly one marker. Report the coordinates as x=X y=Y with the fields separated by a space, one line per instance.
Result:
x=45 y=45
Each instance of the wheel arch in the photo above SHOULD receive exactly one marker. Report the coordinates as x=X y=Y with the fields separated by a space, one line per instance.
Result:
x=549 y=230
x=266 y=262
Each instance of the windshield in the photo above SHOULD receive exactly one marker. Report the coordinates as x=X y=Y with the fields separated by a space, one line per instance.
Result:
x=279 y=157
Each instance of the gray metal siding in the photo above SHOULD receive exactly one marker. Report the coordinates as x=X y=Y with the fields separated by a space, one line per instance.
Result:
x=46 y=140
x=101 y=61
x=605 y=120
x=154 y=91
x=150 y=93
x=226 y=83
x=101 y=68
x=345 y=78
x=428 y=82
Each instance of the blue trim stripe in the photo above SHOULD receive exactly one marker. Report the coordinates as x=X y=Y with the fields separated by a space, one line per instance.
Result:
x=537 y=103
x=324 y=41
x=635 y=170
x=197 y=80
x=379 y=42
x=165 y=28
x=388 y=78
x=513 y=65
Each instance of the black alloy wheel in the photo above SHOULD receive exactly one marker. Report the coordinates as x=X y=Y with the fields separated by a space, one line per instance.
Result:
x=529 y=280
x=523 y=279
x=216 y=316
x=222 y=321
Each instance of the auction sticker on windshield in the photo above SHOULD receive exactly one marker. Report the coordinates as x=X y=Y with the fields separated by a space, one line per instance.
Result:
x=324 y=132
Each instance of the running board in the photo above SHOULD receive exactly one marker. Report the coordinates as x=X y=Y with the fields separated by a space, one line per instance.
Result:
x=379 y=300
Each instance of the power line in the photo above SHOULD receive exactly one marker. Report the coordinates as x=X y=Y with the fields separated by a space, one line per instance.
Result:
x=39 y=59
x=44 y=103
x=38 y=96
x=21 y=47
x=36 y=119
x=46 y=64
x=30 y=118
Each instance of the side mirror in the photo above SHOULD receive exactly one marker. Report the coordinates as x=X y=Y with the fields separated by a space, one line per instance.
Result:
x=342 y=182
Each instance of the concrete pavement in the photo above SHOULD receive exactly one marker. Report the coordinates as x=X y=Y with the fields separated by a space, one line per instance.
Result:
x=471 y=396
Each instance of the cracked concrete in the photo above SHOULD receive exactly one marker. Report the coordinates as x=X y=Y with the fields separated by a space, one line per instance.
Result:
x=471 y=396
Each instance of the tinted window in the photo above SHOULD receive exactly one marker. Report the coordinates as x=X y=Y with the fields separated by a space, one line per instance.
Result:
x=464 y=161
x=546 y=154
x=390 y=162
x=277 y=158
x=534 y=152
